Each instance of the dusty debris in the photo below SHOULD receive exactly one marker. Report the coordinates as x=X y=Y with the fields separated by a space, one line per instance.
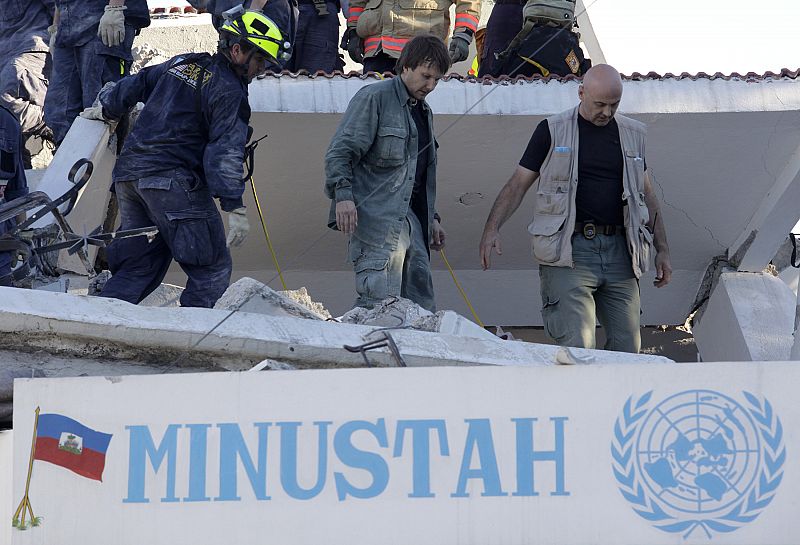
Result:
x=393 y=312
x=249 y=295
x=146 y=55
x=301 y=297
x=403 y=313
x=272 y=365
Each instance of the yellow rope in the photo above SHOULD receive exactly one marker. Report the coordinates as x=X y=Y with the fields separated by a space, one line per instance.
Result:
x=460 y=289
x=266 y=234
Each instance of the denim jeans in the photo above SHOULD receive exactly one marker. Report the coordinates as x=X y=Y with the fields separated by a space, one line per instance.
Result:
x=190 y=231
x=403 y=269
x=600 y=288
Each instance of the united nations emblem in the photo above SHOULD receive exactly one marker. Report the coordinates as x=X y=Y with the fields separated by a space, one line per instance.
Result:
x=698 y=461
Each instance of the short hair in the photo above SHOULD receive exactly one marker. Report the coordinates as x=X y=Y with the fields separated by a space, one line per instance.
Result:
x=424 y=49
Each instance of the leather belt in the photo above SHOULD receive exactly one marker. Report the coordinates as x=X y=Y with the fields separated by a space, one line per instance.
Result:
x=589 y=229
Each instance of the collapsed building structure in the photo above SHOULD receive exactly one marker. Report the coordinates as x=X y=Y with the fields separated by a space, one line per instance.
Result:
x=712 y=138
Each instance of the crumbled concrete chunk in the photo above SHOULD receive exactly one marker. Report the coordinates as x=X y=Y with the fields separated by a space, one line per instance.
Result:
x=391 y=312
x=249 y=295
x=165 y=295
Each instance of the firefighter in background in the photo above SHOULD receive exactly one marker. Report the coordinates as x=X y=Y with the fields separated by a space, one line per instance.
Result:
x=186 y=149
x=547 y=44
x=378 y=30
x=25 y=67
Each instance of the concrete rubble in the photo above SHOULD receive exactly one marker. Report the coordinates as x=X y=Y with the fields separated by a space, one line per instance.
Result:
x=397 y=312
x=249 y=295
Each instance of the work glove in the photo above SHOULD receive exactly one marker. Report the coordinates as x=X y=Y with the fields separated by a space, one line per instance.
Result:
x=238 y=227
x=354 y=45
x=53 y=31
x=112 y=26
x=95 y=112
x=459 y=47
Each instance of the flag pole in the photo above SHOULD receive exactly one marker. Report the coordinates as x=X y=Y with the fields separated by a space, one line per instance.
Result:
x=25 y=505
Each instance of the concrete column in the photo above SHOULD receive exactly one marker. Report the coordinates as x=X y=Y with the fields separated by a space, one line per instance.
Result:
x=774 y=219
x=588 y=36
x=86 y=139
x=750 y=317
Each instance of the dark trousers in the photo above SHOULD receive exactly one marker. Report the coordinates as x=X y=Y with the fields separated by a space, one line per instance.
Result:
x=78 y=75
x=317 y=45
x=190 y=231
x=504 y=23
x=380 y=63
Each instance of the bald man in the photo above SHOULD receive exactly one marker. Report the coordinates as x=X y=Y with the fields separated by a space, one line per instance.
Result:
x=596 y=218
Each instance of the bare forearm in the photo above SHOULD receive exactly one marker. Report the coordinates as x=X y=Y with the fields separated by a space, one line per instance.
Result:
x=510 y=198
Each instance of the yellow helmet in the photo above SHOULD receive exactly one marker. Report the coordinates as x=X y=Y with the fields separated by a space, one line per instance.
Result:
x=258 y=30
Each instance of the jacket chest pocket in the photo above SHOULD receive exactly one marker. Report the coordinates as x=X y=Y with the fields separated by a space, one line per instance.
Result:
x=390 y=146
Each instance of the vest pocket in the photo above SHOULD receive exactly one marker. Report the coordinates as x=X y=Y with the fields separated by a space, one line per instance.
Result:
x=547 y=234
x=552 y=198
x=645 y=248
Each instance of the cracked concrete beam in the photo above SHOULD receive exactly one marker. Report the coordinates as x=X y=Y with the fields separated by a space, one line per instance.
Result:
x=776 y=215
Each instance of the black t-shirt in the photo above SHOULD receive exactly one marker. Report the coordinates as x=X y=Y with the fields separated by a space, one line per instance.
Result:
x=600 y=167
x=419 y=197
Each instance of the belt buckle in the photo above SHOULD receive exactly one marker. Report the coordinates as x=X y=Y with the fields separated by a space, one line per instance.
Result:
x=589 y=231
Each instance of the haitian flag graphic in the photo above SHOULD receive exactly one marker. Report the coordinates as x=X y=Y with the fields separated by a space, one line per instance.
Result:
x=68 y=443
x=64 y=442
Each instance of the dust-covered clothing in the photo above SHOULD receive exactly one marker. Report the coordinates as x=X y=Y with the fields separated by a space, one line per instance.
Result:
x=372 y=160
x=24 y=67
x=82 y=63
x=186 y=149
x=12 y=174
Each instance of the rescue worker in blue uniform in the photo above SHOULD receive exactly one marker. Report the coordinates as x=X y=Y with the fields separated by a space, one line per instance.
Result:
x=186 y=148
x=317 y=41
x=12 y=179
x=24 y=64
x=91 y=46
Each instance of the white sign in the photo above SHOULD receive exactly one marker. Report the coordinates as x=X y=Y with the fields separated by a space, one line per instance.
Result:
x=606 y=454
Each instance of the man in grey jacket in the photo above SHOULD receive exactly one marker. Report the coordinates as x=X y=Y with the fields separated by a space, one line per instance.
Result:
x=381 y=176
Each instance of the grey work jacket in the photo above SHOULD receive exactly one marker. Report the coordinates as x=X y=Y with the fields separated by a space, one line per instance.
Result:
x=554 y=208
x=372 y=160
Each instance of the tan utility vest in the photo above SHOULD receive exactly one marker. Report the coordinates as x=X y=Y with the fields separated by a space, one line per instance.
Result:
x=554 y=208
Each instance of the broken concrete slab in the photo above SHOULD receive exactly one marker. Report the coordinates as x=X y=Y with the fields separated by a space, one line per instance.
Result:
x=749 y=317
x=86 y=139
x=249 y=295
x=99 y=327
x=165 y=295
